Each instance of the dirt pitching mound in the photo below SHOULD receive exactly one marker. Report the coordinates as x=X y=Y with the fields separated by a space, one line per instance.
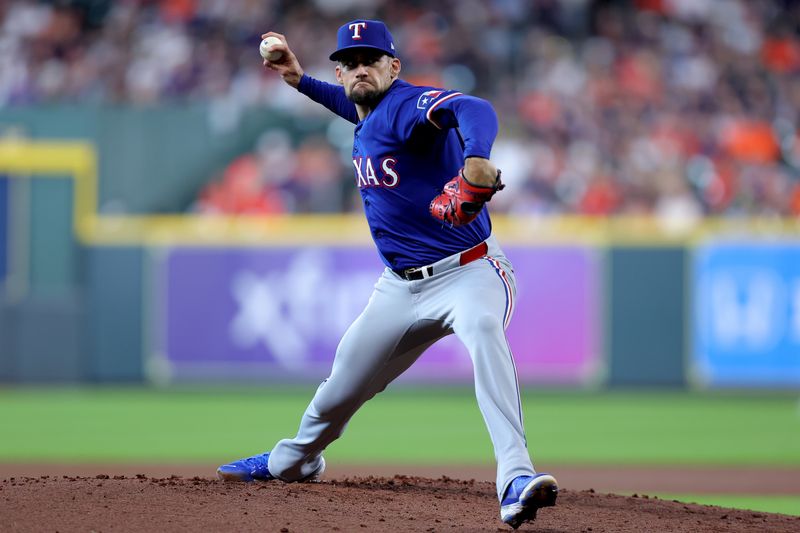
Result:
x=403 y=503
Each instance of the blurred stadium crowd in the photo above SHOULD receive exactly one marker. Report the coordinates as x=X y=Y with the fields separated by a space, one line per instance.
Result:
x=679 y=108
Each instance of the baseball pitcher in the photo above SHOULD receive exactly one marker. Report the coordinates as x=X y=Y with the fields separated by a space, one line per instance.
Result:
x=421 y=163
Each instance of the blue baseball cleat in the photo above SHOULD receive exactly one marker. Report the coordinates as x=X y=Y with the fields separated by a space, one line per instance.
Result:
x=255 y=469
x=248 y=469
x=525 y=495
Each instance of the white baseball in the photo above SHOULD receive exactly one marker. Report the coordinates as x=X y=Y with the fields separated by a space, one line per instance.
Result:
x=264 y=49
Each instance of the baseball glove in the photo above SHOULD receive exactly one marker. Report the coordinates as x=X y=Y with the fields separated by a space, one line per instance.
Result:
x=460 y=201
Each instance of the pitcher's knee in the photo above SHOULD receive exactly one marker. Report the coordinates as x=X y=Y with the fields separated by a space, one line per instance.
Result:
x=487 y=323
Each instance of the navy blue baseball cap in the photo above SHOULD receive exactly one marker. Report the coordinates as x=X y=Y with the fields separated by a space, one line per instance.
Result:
x=363 y=34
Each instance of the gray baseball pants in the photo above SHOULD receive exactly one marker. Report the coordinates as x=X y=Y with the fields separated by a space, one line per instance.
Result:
x=401 y=320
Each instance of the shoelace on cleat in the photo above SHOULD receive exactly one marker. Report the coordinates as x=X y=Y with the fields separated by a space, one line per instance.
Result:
x=256 y=463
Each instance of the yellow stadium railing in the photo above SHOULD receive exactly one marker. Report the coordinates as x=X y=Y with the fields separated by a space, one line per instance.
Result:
x=77 y=160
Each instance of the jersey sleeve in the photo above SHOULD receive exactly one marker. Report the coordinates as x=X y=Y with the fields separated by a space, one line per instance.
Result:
x=474 y=117
x=329 y=95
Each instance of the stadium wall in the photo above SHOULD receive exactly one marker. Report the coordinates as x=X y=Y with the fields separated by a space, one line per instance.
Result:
x=606 y=302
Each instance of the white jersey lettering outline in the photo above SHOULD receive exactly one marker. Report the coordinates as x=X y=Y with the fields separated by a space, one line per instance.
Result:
x=372 y=180
x=389 y=171
x=367 y=177
x=360 y=181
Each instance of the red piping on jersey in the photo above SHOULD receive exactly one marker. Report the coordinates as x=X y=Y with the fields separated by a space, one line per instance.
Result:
x=428 y=114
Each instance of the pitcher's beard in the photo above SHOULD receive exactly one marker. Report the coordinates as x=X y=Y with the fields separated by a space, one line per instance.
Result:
x=369 y=98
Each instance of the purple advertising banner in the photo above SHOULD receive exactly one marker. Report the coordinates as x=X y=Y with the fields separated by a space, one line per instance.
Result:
x=278 y=314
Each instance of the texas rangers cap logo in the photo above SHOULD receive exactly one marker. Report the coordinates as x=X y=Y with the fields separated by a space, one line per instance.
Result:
x=363 y=34
x=356 y=27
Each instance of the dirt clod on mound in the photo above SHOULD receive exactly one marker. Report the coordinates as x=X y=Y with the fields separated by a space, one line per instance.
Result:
x=402 y=503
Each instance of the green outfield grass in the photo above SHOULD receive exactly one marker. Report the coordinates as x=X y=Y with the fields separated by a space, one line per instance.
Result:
x=768 y=504
x=402 y=426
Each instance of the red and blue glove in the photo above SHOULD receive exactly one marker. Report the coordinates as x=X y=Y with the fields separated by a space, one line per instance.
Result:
x=460 y=201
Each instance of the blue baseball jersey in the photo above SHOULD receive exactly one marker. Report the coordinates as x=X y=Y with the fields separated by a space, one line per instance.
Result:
x=404 y=152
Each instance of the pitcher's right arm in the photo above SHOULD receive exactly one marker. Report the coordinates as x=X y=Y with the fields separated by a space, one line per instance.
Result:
x=327 y=94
